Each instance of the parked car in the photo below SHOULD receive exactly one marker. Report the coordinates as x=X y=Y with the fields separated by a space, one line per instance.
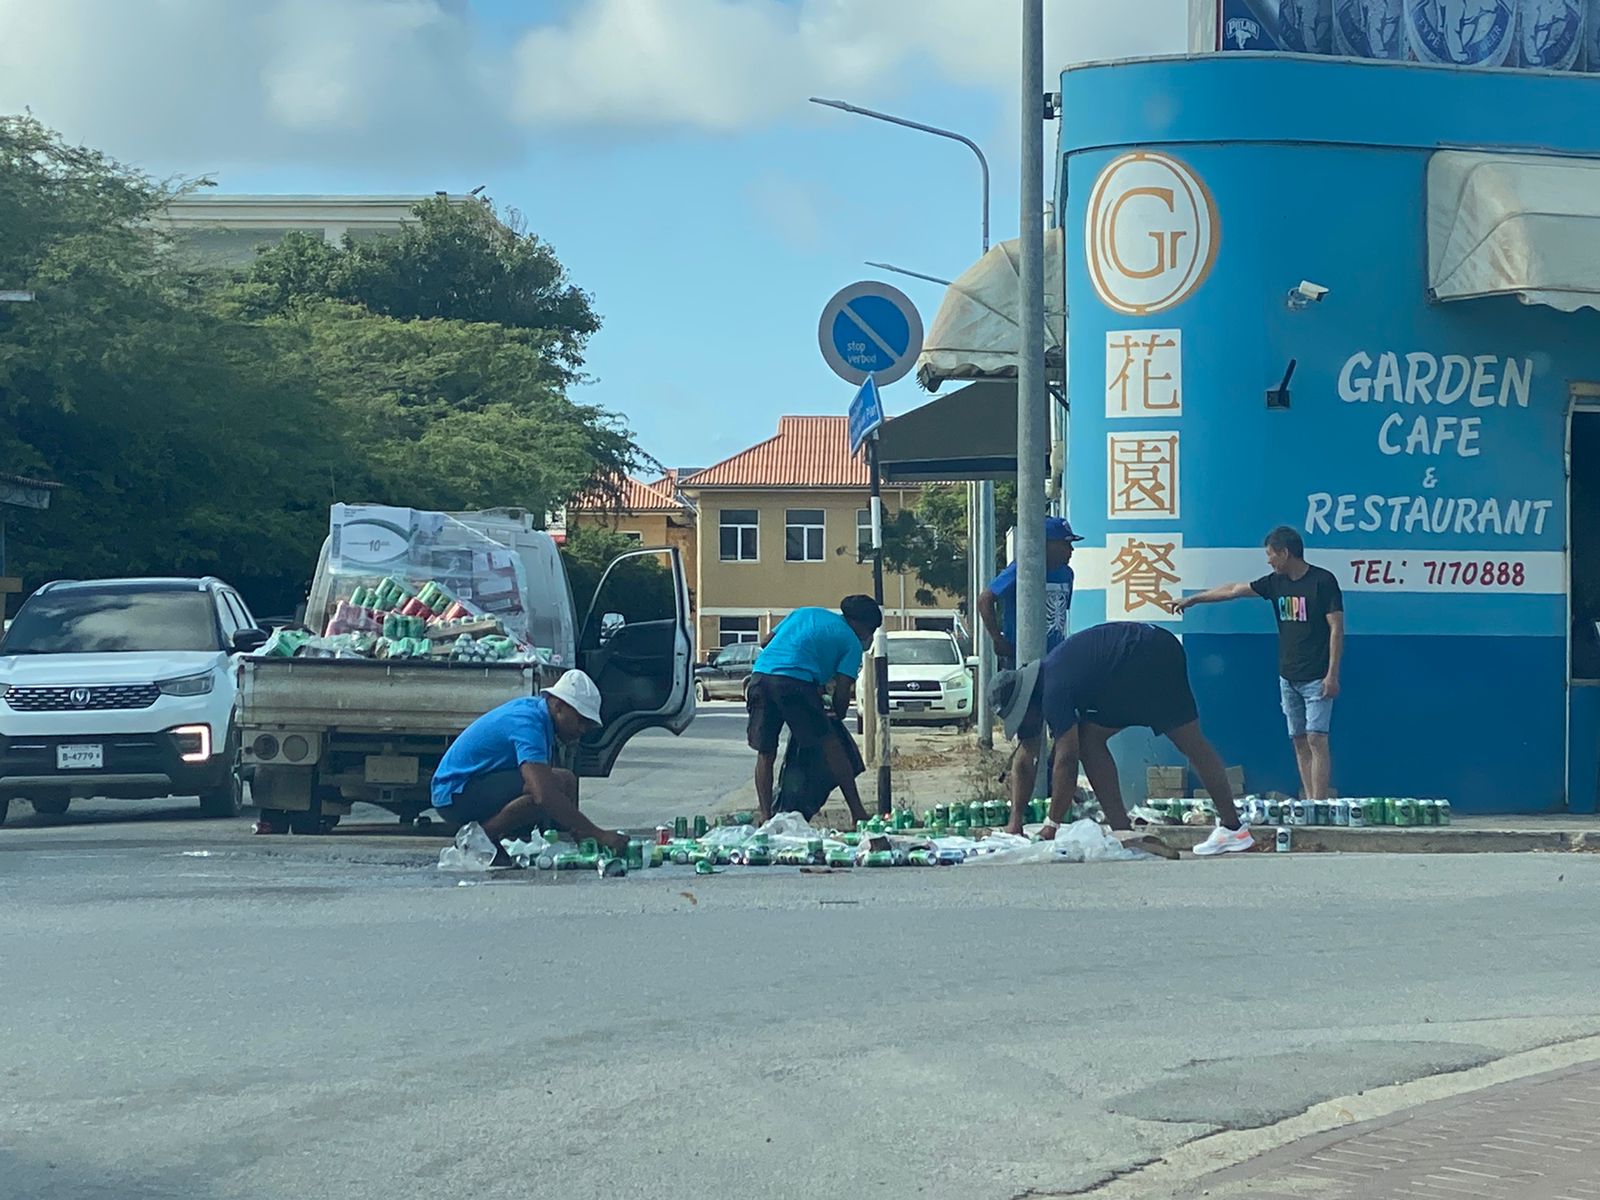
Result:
x=929 y=680
x=124 y=689
x=725 y=675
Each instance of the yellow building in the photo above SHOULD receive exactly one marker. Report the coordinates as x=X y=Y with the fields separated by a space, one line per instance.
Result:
x=782 y=526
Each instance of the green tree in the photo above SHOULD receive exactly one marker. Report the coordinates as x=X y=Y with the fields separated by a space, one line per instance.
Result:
x=450 y=414
x=182 y=446
x=457 y=262
x=930 y=538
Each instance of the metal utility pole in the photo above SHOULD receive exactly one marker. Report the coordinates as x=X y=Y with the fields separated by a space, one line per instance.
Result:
x=1032 y=397
x=980 y=494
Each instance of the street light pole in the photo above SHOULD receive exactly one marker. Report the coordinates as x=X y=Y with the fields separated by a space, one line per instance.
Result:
x=983 y=163
x=980 y=494
x=1032 y=399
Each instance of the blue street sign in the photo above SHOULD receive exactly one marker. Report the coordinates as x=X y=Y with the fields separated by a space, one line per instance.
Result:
x=870 y=329
x=866 y=414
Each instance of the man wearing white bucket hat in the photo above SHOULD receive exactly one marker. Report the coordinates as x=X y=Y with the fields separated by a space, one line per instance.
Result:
x=500 y=771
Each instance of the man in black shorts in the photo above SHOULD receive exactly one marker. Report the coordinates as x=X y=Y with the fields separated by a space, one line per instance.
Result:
x=1092 y=686
x=813 y=650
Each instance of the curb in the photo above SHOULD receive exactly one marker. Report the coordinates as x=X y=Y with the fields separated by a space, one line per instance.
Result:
x=1321 y=839
x=1187 y=1168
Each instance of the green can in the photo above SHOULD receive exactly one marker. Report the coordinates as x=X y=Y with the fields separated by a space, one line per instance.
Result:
x=572 y=860
x=923 y=858
x=1405 y=812
x=880 y=858
x=841 y=858
x=941 y=813
x=976 y=815
x=701 y=825
x=635 y=854
x=704 y=867
x=680 y=828
x=1444 y=812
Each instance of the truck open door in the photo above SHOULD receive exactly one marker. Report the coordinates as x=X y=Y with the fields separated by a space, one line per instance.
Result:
x=642 y=660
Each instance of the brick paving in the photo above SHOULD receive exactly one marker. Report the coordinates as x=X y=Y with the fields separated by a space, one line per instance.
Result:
x=1532 y=1139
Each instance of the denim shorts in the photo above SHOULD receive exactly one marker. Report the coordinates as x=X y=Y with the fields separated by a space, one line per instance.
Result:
x=1305 y=707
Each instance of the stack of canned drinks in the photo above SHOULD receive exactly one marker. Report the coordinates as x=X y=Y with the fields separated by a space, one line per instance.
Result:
x=1402 y=812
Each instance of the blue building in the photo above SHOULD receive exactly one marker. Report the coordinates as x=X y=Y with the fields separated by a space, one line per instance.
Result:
x=1413 y=408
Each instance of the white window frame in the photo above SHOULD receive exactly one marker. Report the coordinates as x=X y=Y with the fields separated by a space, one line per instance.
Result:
x=754 y=527
x=808 y=529
x=863 y=535
x=737 y=637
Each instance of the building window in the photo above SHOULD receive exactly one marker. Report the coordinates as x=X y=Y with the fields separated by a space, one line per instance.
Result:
x=863 y=534
x=802 y=535
x=739 y=535
x=633 y=536
x=734 y=631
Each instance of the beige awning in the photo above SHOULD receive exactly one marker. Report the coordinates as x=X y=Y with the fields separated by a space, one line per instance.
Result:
x=976 y=334
x=1523 y=225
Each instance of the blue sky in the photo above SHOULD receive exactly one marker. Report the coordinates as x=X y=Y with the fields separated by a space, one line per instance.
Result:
x=664 y=147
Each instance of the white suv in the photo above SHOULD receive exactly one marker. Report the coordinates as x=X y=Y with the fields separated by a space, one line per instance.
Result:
x=124 y=689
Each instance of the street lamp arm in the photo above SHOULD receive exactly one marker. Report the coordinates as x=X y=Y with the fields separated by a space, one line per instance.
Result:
x=983 y=163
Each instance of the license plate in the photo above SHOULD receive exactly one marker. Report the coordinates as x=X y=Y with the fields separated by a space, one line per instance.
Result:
x=913 y=705
x=80 y=758
x=391 y=768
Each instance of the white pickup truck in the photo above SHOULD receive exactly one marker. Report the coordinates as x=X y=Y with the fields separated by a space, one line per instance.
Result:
x=318 y=734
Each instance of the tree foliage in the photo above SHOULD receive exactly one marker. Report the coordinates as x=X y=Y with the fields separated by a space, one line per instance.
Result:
x=930 y=538
x=202 y=424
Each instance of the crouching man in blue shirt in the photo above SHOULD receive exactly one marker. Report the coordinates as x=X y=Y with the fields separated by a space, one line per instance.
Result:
x=499 y=773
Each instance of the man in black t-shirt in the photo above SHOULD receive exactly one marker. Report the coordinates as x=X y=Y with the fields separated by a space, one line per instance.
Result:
x=1096 y=683
x=1310 y=611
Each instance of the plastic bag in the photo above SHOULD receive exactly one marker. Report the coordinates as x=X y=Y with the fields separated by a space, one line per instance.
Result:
x=728 y=835
x=1087 y=841
x=804 y=779
x=473 y=851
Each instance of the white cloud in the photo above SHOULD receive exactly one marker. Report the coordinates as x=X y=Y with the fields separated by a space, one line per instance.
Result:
x=209 y=83
x=203 y=84
x=728 y=64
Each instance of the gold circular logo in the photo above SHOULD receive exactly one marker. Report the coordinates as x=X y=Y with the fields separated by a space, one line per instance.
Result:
x=1151 y=234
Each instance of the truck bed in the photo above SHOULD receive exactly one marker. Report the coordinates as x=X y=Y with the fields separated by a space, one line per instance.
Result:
x=360 y=696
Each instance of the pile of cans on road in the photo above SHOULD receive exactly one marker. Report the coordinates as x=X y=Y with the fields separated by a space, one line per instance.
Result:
x=1356 y=812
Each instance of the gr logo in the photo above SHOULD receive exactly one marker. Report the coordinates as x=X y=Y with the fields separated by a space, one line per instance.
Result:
x=1151 y=234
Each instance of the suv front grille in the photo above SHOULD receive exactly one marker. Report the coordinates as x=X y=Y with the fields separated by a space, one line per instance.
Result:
x=916 y=687
x=81 y=699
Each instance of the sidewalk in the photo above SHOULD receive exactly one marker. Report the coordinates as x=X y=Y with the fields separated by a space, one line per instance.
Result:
x=1531 y=1139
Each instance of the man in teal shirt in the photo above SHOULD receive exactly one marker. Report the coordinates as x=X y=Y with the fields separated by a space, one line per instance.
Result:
x=812 y=651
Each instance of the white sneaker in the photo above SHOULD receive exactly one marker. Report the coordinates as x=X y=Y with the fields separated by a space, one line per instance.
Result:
x=1226 y=841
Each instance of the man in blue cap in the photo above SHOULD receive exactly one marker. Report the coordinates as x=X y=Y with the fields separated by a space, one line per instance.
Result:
x=997 y=604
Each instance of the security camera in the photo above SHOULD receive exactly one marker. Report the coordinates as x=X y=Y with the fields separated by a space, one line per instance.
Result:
x=1306 y=292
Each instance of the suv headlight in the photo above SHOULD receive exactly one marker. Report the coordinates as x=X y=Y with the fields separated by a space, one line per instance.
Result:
x=187 y=685
x=956 y=680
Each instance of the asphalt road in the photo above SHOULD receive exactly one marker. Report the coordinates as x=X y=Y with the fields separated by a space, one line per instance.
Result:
x=191 y=1013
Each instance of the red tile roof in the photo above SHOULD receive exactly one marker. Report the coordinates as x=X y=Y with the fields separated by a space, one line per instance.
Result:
x=638 y=498
x=809 y=452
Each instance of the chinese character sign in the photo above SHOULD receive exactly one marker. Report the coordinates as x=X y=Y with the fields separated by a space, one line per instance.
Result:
x=1144 y=373
x=1144 y=576
x=1142 y=475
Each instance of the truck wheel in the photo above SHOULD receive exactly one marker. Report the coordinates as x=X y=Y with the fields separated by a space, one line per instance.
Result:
x=51 y=806
x=700 y=692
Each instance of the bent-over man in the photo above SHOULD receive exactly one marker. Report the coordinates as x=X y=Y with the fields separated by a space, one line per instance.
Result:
x=1091 y=687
